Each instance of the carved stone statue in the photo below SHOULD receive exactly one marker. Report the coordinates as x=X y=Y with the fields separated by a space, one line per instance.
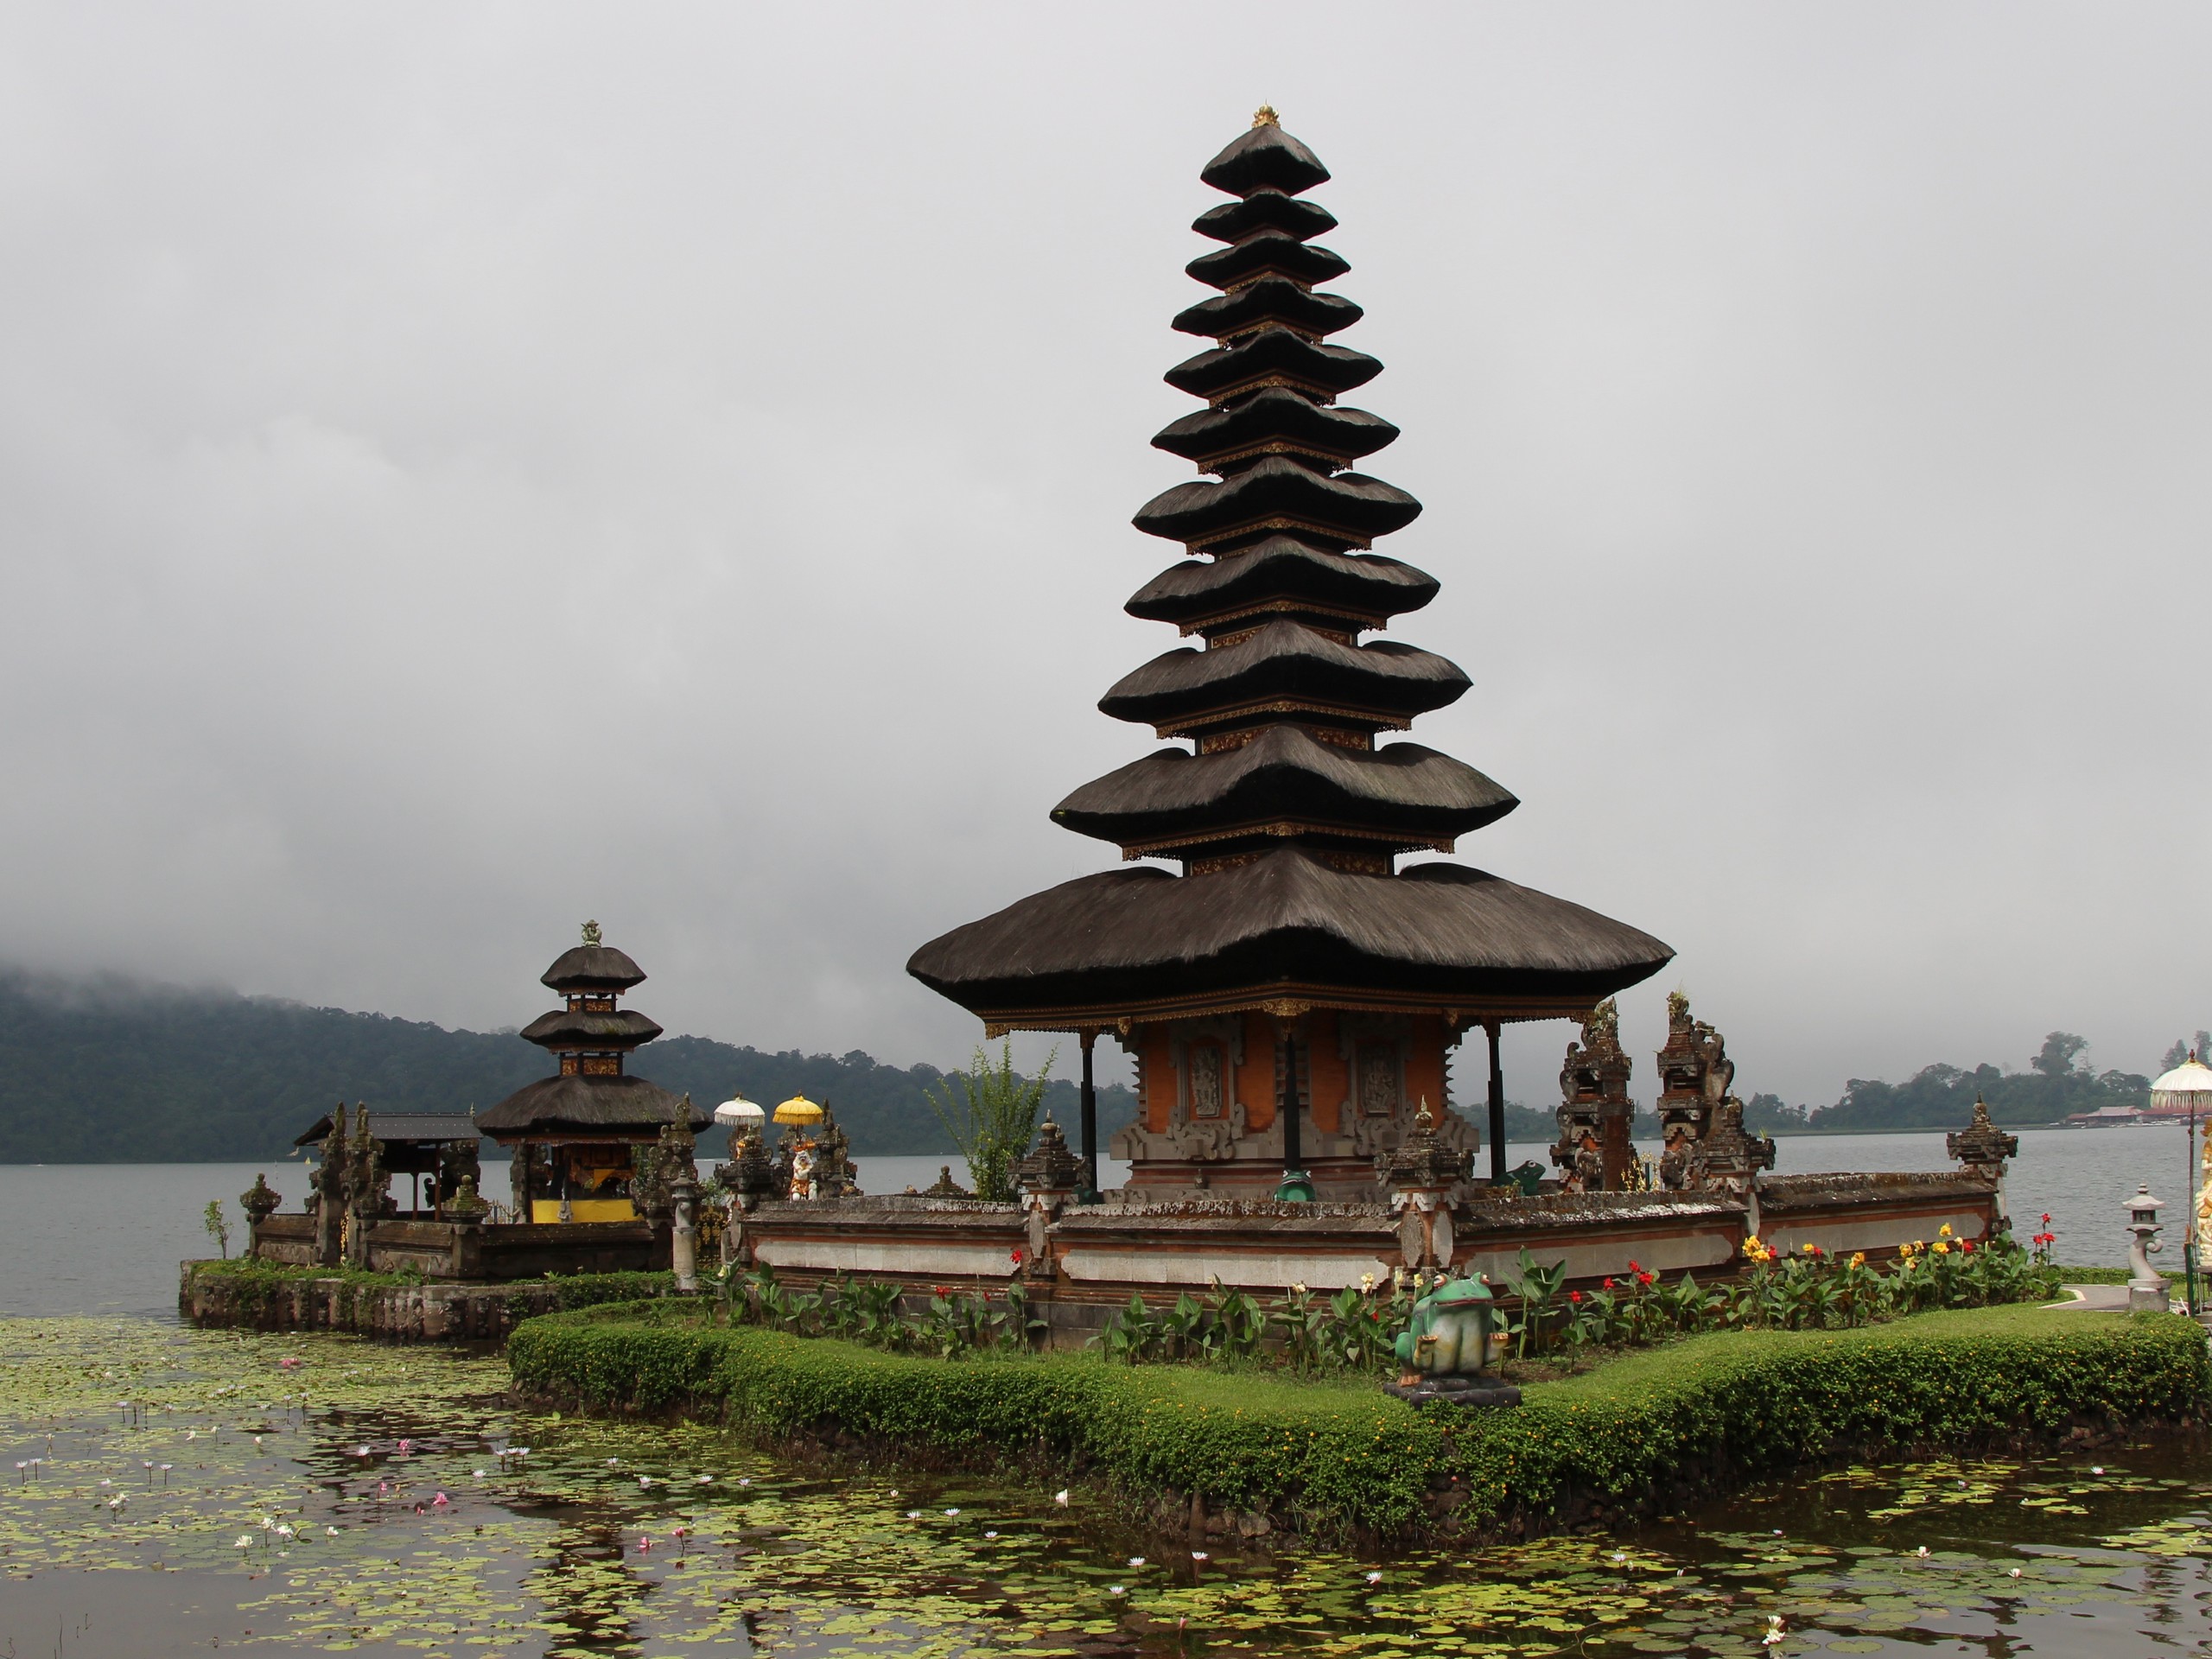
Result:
x=944 y=1186
x=1694 y=1076
x=365 y=1189
x=749 y=1175
x=526 y=1177
x=1984 y=1149
x=835 y=1174
x=458 y=1165
x=328 y=1200
x=1726 y=1156
x=1594 y=1153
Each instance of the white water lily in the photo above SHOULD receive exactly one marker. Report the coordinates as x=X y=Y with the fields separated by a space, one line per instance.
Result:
x=1137 y=1560
x=1374 y=1578
x=1199 y=1555
x=245 y=1541
x=914 y=1515
x=1060 y=1497
x=948 y=1514
x=990 y=1535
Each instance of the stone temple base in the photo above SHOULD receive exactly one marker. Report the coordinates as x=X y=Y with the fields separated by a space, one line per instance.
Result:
x=1456 y=1391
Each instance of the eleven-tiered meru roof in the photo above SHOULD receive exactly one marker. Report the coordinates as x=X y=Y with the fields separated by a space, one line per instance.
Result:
x=1288 y=819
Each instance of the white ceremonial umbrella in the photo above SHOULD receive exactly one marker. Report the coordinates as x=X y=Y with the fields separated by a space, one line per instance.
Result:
x=2188 y=1087
x=740 y=1113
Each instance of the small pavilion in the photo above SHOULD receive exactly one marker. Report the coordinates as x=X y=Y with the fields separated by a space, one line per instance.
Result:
x=1294 y=994
x=439 y=1145
x=574 y=1135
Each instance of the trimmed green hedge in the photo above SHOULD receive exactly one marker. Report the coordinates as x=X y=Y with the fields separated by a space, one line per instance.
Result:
x=2095 y=1275
x=1341 y=1454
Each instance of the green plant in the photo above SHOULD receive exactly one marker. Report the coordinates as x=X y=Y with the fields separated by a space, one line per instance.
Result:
x=1237 y=1325
x=218 y=1228
x=1133 y=1335
x=992 y=1119
x=1538 y=1287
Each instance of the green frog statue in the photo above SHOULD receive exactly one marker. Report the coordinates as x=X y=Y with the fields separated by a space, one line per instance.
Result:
x=1447 y=1345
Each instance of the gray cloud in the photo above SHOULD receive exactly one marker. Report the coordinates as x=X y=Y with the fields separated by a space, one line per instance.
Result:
x=463 y=472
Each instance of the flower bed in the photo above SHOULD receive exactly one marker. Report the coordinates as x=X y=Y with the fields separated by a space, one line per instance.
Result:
x=1336 y=1455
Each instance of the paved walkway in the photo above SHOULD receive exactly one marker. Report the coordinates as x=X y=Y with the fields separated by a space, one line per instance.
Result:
x=2095 y=1298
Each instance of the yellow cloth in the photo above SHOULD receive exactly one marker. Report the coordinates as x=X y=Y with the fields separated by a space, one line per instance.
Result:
x=549 y=1210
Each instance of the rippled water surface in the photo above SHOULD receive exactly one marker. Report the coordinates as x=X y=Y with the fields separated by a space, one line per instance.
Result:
x=170 y=1461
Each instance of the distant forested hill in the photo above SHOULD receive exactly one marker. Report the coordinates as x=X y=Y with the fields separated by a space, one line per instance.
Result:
x=112 y=1071
x=2057 y=1085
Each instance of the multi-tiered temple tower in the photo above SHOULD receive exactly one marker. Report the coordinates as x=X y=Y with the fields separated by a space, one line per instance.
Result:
x=1291 y=960
x=573 y=1133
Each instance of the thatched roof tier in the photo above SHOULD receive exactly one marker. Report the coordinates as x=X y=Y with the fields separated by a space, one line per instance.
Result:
x=592 y=968
x=1275 y=492
x=1271 y=299
x=622 y=1107
x=1264 y=210
x=1283 y=780
x=1272 y=420
x=1378 y=685
x=1265 y=158
x=1281 y=574
x=575 y=1028
x=1273 y=357
x=1285 y=928
x=1270 y=252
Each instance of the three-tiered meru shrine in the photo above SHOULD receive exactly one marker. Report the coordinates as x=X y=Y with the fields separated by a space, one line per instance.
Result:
x=1294 y=997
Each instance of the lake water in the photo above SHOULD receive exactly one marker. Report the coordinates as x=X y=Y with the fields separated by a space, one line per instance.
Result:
x=106 y=1238
x=305 y=1494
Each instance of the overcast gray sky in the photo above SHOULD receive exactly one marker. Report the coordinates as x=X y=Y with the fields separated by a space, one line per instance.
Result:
x=466 y=469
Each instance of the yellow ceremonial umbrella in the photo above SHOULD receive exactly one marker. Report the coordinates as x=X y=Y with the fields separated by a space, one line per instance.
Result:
x=798 y=1110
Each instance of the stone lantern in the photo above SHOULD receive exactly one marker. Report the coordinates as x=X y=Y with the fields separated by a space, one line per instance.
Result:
x=2145 y=1288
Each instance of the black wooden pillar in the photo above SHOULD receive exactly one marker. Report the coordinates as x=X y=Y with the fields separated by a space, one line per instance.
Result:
x=1089 y=1193
x=1293 y=1155
x=1497 y=1108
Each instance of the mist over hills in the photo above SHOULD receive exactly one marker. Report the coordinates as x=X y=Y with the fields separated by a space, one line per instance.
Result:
x=111 y=1070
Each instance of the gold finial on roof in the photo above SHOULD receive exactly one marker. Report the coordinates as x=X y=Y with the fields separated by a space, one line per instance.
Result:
x=1265 y=115
x=591 y=932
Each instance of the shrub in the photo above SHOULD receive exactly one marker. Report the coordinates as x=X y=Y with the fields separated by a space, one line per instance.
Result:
x=1339 y=1455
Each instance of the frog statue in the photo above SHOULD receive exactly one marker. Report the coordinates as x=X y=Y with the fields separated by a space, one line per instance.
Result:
x=1444 y=1348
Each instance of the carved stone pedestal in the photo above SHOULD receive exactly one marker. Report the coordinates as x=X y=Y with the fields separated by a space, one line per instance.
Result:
x=1456 y=1391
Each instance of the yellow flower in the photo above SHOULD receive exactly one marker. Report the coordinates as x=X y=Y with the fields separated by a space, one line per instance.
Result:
x=1905 y=1251
x=1859 y=1258
x=1942 y=1249
x=1752 y=1247
x=1944 y=1232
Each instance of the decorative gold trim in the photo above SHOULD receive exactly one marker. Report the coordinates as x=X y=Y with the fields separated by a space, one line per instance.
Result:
x=1238 y=636
x=1281 y=521
x=1213 y=463
x=1190 y=727
x=1320 y=394
x=1362 y=621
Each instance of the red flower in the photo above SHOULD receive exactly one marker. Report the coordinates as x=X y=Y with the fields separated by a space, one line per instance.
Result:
x=1645 y=1278
x=1966 y=1247
x=1017 y=1256
x=1609 y=1284
x=1632 y=1267
x=1573 y=1295
x=2046 y=1218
